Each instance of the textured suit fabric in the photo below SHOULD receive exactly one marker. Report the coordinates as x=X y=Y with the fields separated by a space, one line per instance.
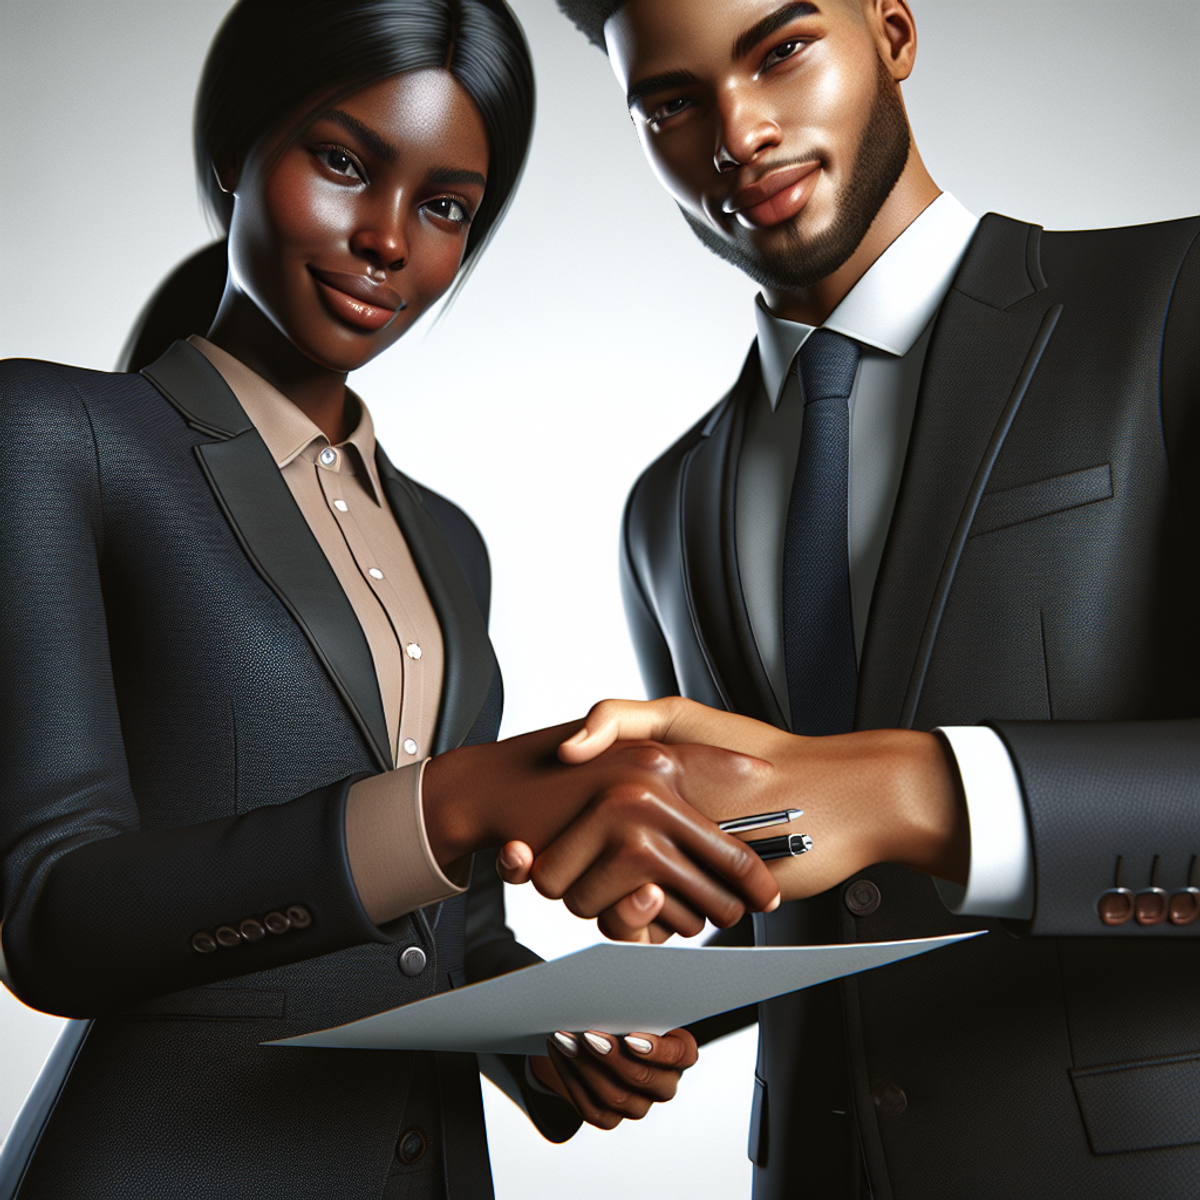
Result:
x=178 y=745
x=1040 y=575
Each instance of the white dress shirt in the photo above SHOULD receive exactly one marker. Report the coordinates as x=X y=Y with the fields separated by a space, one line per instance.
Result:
x=890 y=313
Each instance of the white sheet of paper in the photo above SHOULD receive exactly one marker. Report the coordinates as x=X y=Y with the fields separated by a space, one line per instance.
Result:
x=615 y=988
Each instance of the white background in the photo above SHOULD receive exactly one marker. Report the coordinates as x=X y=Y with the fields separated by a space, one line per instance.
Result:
x=594 y=332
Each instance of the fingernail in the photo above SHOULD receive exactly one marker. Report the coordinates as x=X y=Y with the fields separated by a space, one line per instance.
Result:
x=509 y=860
x=639 y=1044
x=774 y=904
x=599 y=1044
x=576 y=738
x=567 y=1044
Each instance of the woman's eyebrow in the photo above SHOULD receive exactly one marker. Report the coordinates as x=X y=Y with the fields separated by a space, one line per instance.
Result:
x=378 y=145
x=457 y=175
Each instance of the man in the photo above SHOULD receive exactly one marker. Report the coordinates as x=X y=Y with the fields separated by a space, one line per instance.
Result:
x=955 y=484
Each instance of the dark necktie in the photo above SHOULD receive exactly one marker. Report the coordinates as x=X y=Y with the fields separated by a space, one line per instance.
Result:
x=818 y=628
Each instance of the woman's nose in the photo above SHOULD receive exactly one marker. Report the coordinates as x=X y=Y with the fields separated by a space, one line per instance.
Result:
x=380 y=237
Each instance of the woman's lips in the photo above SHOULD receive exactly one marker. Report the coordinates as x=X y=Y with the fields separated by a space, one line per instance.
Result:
x=359 y=301
x=776 y=197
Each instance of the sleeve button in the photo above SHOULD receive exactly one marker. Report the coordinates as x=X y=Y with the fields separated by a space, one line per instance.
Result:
x=203 y=942
x=227 y=936
x=252 y=930
x=276 y=922
x=1115 y=906
x=1150 y=906
x=299 y=916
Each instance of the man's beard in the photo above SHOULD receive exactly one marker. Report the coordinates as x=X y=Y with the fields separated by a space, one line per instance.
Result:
x=878 y=163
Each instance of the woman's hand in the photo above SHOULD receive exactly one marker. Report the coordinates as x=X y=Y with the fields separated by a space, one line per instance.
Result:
x=604 y=828
x=607 y=1079
x=885 y=795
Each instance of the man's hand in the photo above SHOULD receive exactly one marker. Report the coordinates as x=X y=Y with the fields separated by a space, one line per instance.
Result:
x=605 y=828
x=607 y=1079
x=877 y=796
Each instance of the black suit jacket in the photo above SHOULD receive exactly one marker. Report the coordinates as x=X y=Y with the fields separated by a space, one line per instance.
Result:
x=189 y=698
x=1040 y=575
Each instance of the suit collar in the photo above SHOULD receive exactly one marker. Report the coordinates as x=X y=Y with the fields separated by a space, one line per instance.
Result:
x=275 y=537
x=712 y=581
x=985 y=348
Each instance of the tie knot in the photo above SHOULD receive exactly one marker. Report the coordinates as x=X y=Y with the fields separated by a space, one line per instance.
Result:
x=827 y=363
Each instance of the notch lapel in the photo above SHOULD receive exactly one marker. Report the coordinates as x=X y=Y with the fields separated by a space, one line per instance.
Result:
x=990 y=334
x=712 y=581
x=273 y=533
x=469 y=661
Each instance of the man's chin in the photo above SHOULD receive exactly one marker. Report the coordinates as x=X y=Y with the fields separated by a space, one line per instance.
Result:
x=783 y=259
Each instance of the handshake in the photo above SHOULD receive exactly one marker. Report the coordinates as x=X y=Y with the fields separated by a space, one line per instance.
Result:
x=620 y=820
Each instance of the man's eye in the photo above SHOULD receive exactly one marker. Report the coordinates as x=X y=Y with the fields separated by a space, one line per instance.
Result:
x=664 y=112
x=449 y=210
x=784 y=50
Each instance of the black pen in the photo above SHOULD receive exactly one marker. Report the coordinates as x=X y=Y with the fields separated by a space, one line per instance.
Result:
x=787 y=846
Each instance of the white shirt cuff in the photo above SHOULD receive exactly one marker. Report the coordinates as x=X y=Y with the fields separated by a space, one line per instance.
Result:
x=1000 y=879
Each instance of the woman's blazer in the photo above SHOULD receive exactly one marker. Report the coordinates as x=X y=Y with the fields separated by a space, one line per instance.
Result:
x=189 y=698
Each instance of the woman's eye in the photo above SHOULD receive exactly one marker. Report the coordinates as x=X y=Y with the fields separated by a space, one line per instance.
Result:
x=664 y=112
x=449 y=210
x=340 y=162
x=783 y=51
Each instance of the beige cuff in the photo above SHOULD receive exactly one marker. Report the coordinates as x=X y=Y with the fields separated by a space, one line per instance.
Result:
x=391 y=863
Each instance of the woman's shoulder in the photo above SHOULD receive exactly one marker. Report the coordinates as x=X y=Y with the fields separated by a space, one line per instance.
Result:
x=33 y=382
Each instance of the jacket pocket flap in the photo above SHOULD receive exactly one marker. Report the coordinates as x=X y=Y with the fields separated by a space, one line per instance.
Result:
x=997 y=510
x=1140 y=1105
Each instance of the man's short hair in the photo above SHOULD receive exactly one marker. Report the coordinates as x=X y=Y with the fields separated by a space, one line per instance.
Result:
x=589 y=17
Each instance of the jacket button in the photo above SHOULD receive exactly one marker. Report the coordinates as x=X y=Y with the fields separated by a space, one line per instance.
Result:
x=1185 y=906
x=1150 y=906
x=203 y=942
x=1115 y=906
x=412 y=961
x=252 y=930
x=889 y=1098
x=411 y=1146
x=227 y=936
x=276 y=922
x=862 y=897
x=299 y=916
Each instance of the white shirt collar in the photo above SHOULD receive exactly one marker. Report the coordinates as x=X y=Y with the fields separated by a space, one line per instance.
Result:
x=891 y=304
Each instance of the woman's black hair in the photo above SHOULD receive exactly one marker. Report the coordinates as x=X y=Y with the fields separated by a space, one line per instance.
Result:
x=275 y=63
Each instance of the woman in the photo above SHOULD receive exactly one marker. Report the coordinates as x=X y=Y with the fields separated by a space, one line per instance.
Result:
x=246 y=768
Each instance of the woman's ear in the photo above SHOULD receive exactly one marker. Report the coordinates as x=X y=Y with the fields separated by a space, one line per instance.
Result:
x=227 y=177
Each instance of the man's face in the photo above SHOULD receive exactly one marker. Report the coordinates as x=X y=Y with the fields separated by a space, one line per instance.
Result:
x=775 y=126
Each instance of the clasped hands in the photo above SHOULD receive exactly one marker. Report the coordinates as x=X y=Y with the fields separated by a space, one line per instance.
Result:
x=618 y=819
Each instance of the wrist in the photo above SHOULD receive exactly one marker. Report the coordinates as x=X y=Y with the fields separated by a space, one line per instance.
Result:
x=928 y=825
x=452 y=824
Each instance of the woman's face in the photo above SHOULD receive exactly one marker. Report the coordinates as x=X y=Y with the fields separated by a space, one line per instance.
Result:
x=346 y=237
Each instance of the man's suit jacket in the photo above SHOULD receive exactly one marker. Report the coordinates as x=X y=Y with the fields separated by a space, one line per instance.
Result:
x=1040 y=575
x=190 y=697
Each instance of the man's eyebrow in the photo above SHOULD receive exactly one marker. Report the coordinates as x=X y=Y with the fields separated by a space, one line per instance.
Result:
x=457 y=175
x=378 y=146
x=769 y=24
x=657 y=83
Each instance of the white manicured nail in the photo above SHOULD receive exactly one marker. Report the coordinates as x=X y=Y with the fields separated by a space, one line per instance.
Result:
x=567 y=1043
x=600 y=1044
x=638 y=1044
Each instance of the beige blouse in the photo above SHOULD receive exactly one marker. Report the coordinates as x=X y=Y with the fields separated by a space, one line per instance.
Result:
x=338 y=491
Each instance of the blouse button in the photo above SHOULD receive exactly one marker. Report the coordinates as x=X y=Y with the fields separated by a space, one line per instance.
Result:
x=327 y=457
x=410 y=747
x=412 y=650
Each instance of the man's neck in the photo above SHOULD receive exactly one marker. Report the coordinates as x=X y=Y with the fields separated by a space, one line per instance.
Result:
x=913 y=193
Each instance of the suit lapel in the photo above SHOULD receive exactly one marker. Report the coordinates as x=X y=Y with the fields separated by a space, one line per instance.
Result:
x=715 y=600
x=469 y=662
x=273 y=533
x=990 y=334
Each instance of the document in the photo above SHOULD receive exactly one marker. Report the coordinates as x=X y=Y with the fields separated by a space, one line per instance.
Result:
x=613 y=988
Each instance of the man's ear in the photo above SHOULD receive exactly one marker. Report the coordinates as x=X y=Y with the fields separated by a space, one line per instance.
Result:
x=226 y=176
x=895 y=34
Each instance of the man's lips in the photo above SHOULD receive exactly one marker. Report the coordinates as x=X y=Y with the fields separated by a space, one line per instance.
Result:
x=777 y=196
x=358 y=300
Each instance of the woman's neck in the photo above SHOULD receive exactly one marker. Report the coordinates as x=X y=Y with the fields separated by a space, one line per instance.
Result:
x=241 y=329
